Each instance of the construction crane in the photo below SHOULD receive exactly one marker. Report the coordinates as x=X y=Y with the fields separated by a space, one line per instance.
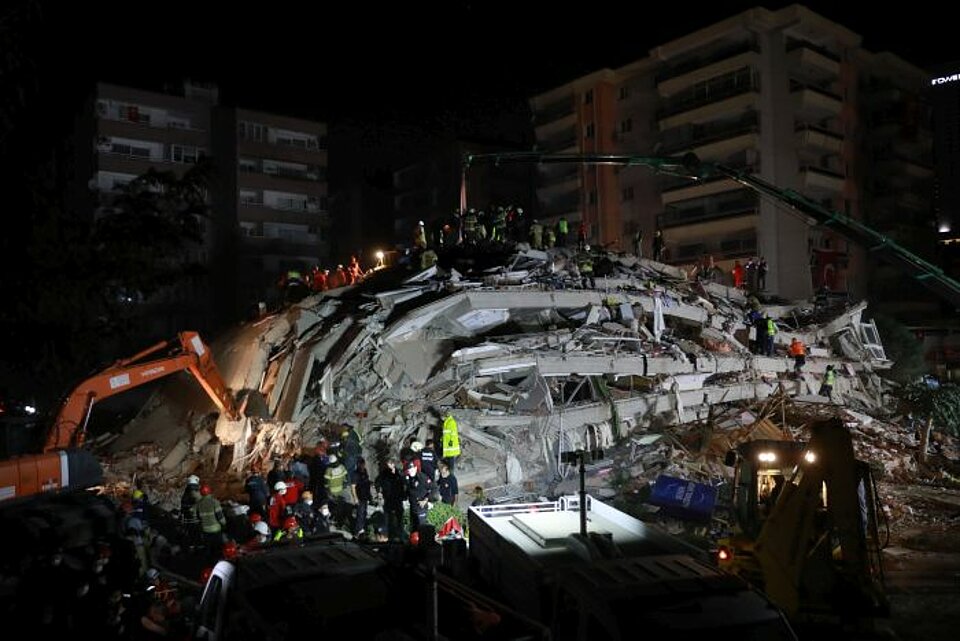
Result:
x=691 y=167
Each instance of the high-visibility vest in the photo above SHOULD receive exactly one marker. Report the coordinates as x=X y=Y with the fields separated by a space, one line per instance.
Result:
x=771 y=327
x=451 y=437
x=563 y=227
x=335 y=477
x=830 y=378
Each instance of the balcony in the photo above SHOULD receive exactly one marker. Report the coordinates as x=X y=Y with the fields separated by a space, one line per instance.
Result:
x=552 y=187
x=902 y=164
x=818 y=138
x=814 y=102
x=713 y=140
x=688 y=190
x=680 y=83
x=728 y=52
x=563 y=141
x=731 y=84
x=555 y=111
x=821 y=180
x=308 y=245
x=676 y=217
x=813 y=61
x=723 y=248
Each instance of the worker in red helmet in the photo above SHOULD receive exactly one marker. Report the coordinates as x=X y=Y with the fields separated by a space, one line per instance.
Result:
x=414 y=538
x=230 y=550
x=205 y=490
x=291 y=532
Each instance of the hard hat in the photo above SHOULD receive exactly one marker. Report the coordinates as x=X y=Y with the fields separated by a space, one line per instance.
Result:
x=345 y=431
x=586 y=248
x=260 y=527
x=416 y=446
x=332 y=459
x=280 y=486
x=152 y=574
x=137 y=495
x=414 y=538
x=230 y=550
x=193 y=479
x=205 y=490
x=420 y=223
x=255 y=517
x=290 y=522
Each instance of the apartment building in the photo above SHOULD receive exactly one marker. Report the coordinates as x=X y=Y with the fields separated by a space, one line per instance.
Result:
x=896 y=174
x=123 y=133
x=771 y=93
x=274 y=181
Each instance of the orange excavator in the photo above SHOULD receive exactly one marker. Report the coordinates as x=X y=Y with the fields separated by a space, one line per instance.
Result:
x=63 y=464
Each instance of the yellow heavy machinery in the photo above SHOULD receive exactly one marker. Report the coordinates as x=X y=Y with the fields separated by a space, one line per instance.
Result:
x=807 y=527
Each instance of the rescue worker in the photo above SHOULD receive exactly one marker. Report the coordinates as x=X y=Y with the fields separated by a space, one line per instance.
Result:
x=420 y=236
x=261 y=536
x=323 y=523
x=563 y=228
x=278 y=505
x=360 y=489
x=343 y=278
x=354 y=270
x=291 y=532
x=390 y=485
x=418 y=495
x=551 y=238
x=771 y=332
x=428 y=460
x=470 y=226
x=762 y=274
x=188 y=514
x=352 y=447
x=638 y=243
x=499 y=226
x=258 y=493
x=658 y=246
x=212 y=521
x=336 y=478
x=447 y=485
x=582 y=236
x=536 y=235
x=450 y=441
x=799 y=352
x=829 y=379
x=586 y=271
x=739 y=274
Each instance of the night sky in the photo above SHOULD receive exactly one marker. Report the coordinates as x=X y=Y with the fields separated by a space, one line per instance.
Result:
x=408 y=62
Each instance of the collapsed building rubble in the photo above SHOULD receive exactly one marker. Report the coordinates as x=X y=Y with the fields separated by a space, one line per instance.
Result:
x=531 y=365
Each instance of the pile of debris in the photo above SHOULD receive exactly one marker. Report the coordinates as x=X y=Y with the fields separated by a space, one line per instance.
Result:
x=532 y=364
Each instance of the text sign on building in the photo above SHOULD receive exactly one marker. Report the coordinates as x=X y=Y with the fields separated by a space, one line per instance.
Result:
x=942 y=80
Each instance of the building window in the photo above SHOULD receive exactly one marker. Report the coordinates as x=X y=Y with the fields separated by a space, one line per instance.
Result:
x=588 y=131
x=627 y=194
x=624 y=93
x=252 y=131
x=129 y=149
x=588 y=97
x=592 y=197
x=248 y=165
x=185 y=153
x=626 y=126
x=250 y=197
x=295 y=139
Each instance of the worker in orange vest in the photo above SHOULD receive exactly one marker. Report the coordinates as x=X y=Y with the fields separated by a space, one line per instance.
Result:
x=739 y=274
x=799 y=352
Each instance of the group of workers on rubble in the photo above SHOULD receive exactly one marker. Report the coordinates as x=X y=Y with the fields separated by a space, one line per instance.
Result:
x=328 y=488
x=319 y=280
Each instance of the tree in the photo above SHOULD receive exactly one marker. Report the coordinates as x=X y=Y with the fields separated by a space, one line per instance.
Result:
x=903 y=348
x=935 y=404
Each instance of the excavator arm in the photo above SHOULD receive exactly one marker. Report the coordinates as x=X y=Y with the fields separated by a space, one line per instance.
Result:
x=186 y=352
x=811 y=550
x=689 y=166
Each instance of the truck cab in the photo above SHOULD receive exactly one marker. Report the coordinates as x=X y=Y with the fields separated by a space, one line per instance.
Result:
x=624 y=576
